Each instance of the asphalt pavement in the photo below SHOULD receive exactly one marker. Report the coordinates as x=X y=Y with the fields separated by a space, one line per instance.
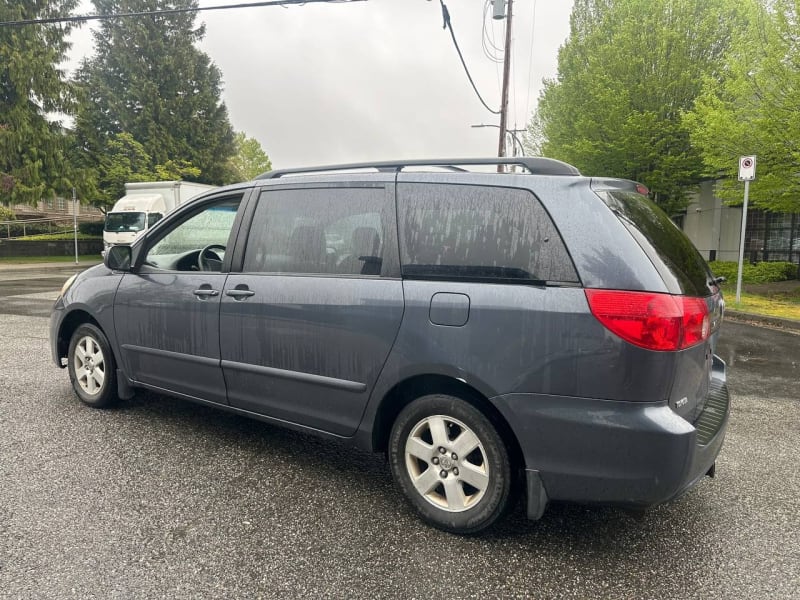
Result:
x=165 y=499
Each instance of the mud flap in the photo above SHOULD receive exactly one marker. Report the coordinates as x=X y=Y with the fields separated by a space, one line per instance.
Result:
x=124 y=389
x=537 y=496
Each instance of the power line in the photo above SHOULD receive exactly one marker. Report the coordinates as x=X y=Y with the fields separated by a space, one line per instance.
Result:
x=167 y=11
x=449 y=25
x=491 y=50
x=530 y=63
x=513 y=76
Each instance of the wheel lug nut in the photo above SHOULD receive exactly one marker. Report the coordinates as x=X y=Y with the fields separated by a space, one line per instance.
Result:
x=442 y=450
x=454 y=456
x=455 y=471
x=443 y=474
x=435 y=460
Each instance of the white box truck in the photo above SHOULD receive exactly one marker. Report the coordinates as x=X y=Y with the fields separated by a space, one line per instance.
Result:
x=143 y=205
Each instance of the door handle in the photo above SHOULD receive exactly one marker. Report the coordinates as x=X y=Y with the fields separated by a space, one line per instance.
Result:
x=204 y=293
x=239 y=293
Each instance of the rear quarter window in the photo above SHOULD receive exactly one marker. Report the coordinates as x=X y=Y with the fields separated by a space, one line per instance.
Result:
x=479 y=232
x=678 y=262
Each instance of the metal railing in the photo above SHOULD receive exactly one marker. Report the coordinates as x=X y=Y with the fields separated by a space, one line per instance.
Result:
x=52 y=225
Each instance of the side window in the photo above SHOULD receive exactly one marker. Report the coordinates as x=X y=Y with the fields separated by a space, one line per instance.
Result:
x=318 y=231
x=153 y=218
x=479 y=232
x=197 y=243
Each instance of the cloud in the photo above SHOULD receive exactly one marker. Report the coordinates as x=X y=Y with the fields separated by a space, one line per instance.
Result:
x=320 y=84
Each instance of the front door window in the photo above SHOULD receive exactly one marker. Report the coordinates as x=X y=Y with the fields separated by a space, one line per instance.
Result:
x=198 y=243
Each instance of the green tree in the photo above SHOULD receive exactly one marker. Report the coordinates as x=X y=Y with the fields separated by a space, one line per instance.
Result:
x=126 y=160
x=32 y=148
x=754 y=108
x=250 y=160
x=148 y=79
x=625 y=75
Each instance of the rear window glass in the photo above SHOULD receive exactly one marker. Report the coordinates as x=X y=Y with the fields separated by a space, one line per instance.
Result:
x=672 y=253
x=479 y=232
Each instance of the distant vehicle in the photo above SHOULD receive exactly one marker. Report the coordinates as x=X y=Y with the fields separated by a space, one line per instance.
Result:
x=493 y=333
x=143 y=205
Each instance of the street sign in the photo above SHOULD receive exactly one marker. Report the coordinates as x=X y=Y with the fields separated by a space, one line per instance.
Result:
x=747 y=172
x=747 y=168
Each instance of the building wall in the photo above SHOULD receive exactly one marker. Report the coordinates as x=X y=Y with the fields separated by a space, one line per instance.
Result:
x=713 y=227
x=715 y=230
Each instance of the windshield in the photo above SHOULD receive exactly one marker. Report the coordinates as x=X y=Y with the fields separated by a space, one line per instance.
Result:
x=124 y=221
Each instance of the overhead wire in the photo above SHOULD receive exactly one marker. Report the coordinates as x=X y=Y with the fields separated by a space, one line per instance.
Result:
x=448 y=25
x=490 y=49
x=512 y=69
x=530 y=62
x=489 y=45
x=168 y=11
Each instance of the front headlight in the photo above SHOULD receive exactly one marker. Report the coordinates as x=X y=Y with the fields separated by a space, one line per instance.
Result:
x=66 y=285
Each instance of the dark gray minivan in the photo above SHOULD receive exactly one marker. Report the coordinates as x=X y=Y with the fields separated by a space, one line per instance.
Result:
x=491 y=332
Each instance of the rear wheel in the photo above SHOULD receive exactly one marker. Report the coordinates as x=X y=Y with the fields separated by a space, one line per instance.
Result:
x=451 y=463
x=91 y=367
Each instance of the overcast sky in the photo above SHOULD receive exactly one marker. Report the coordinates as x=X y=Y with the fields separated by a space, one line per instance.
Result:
x=374 y=80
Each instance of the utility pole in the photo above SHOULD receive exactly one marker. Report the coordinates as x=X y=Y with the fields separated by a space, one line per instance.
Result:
x=501 y=148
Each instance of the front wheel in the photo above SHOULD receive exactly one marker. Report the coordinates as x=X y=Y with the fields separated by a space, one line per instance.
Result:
x=91 y=367
x=451 y=464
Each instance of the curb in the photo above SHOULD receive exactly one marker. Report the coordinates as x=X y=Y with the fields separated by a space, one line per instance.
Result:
x=762 y=320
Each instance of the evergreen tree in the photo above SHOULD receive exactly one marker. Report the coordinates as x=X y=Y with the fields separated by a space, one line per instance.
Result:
x=625 y=75
x=148 y=79
x=32 y=148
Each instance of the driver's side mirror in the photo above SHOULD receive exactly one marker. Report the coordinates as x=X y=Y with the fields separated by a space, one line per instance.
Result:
x=118 y=258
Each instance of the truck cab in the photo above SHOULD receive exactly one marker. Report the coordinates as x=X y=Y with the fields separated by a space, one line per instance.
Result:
x=131 y=216
x=143 y=205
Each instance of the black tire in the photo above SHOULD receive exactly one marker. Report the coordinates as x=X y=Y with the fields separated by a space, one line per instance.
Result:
x=92 y=368
x=487 y=466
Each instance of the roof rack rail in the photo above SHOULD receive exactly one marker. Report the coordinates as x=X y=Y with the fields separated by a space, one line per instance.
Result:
x=536 y=165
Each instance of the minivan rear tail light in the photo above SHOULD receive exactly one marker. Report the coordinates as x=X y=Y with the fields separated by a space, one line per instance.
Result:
x=651 y=320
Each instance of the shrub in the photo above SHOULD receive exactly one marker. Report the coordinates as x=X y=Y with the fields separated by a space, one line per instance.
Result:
x=763 y=272
x=19 y=229
x=93 y=228
x=6 y=214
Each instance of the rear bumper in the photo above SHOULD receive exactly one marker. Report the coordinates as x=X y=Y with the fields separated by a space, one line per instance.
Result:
x=627 y=453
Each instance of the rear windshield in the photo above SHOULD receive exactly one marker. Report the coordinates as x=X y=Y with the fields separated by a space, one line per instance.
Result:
x=672 y=253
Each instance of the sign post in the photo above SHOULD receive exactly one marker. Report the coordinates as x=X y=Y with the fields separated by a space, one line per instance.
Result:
x=747 y=173
x=75 y=222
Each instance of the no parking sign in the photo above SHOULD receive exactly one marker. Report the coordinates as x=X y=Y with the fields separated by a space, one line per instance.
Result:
x=747 y=172
x=747 y=168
